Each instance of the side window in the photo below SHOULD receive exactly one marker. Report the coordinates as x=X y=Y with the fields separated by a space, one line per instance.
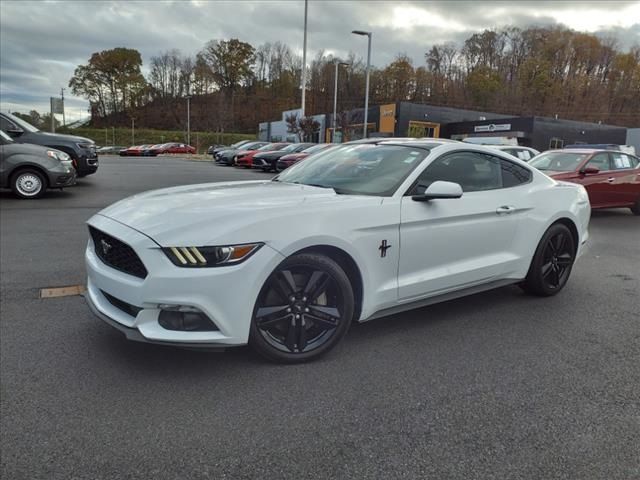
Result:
x=600 y=160
x=513 y=175
x=524 y=155
x=6 y=125
x=473 y=171
x=622 y=161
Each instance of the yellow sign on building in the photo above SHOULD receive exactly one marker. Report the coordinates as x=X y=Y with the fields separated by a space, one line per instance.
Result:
x=388 y=118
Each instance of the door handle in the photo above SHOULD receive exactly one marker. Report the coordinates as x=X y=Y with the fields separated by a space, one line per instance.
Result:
x=505 y=209
x=611 y=179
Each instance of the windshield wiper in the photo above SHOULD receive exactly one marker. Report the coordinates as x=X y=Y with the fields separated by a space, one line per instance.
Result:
x=339 y=191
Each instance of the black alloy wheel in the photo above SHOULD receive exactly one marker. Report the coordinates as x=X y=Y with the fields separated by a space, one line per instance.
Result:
x=552 y=262
x=303 y=310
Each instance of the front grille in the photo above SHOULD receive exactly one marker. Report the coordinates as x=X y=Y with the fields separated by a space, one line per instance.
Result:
x=117 y=254
x=127 y=308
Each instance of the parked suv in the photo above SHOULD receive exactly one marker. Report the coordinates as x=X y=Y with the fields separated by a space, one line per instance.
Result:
x=29 y=170
x=81 y=150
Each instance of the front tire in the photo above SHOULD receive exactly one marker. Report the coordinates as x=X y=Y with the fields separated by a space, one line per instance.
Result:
x=28 y=184
x=303 y=310
x=636 y=208
x=552 y=262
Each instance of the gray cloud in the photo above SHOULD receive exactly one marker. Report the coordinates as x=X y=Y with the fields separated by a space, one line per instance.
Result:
x=42 y=42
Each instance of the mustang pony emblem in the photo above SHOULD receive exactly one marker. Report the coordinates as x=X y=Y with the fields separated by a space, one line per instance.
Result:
x=105 y=247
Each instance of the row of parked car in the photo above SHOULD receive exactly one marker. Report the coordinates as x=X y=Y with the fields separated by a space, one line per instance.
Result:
x=266 y=156
x=148 y=150
x=610 y=173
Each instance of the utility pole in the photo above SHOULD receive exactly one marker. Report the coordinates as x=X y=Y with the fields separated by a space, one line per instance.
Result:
x=133 y=129
x=304 y=60
x=62 y=96
x=188 y=119
x=366 y=94
x=53 y=125
x=335 y=99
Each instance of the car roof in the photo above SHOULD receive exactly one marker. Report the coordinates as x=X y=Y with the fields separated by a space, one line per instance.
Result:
x=581 y=150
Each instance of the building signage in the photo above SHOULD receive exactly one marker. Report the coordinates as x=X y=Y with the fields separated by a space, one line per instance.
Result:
x=388 y=118
x=57 y=105
x=492 y=127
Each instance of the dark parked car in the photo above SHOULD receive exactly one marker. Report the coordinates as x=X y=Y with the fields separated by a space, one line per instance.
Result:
x=221 y=148
x=245 y=159
x=225 y=157
x=29 y=169
x=81 y=150
x=293 y=158
x=267 y=161
x=211 y=148
x=612 y=179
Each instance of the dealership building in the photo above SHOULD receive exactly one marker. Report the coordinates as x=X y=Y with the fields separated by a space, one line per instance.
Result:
x=405 y=119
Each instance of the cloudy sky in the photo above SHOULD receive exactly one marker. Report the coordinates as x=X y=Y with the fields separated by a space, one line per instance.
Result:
x=41 y=42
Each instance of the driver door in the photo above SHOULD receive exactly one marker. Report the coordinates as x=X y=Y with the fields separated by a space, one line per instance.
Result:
x=450 y=244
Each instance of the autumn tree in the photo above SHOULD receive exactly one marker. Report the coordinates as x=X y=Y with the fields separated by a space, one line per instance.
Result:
x=230 y=61
x=112 y=80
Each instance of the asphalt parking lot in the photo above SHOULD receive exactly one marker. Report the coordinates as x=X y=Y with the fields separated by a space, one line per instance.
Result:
x=497 y=385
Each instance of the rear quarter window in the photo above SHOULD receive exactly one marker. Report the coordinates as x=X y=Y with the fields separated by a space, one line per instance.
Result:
x=513 y=174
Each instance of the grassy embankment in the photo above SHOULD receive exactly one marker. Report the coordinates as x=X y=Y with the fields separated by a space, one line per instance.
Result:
x=122 y=136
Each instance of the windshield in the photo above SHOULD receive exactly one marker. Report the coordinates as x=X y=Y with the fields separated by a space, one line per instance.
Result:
x=357 y=169
x=290 y=148
x=271 y=147
x=6 y=138
x=558 y=161
x=251 y=146
x=316 y=148
x=27 y=127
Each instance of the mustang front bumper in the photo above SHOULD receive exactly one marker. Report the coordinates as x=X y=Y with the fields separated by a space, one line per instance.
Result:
x=226 y=295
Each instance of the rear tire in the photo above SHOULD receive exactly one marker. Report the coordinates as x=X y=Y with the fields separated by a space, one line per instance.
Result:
x=28 y=184
x=552 y=262
x=303 y=310
x=636 y=208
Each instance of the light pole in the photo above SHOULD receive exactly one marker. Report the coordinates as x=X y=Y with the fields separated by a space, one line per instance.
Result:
x=366 y=92
x=335 y=98
x=188 y=119
x=133 y=130
x=304 y=60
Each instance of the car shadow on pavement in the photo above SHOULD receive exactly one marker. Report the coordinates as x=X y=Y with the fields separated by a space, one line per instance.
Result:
x=361 y=338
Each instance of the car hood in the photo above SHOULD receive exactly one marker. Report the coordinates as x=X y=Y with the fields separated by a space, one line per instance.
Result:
x=173 y=216
x=267 y=155
x=294 y=156
x=69 y=138
x=29 y=148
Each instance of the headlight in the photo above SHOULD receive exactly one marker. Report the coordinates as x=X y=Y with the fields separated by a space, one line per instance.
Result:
x=210 y=256
x=86 y=145
x=58 y=155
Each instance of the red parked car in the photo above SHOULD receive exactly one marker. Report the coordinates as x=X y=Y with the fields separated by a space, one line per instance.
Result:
x=292 y=158
x=245 y=158
x=611 y=178
x=178 y=148
x=135 y=151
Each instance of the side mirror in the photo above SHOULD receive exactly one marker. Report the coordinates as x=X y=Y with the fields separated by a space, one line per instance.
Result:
x=590 y=170
x=439 y=189
x=15 y=131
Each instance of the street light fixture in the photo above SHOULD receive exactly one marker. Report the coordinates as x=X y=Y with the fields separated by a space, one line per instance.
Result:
x=335 y=98
x=366 y=93
x=188 y=97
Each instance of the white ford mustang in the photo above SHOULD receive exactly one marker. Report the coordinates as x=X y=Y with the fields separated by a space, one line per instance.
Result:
x=354 y=233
